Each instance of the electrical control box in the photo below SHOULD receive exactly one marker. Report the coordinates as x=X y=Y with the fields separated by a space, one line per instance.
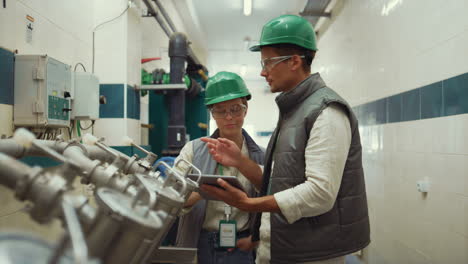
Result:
x=42 y=92
x=85 y=103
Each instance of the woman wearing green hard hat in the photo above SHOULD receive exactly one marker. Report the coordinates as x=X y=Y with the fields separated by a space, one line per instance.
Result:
x=226 y=97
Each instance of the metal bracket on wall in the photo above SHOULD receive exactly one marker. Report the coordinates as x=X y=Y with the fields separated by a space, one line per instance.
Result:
x=172 y=86
x=4 y=3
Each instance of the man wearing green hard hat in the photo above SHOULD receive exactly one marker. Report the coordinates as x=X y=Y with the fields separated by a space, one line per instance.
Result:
x=226 y=97
x=313 y=194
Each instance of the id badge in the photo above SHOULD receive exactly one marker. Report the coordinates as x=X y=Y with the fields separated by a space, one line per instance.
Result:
x=227 y=233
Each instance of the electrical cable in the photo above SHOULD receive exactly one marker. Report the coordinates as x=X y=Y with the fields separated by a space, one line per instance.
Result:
x=78 y=130
x=70 y=129
x=92 y=124
x=103 y=23
x=79 y=63
x=45 y=135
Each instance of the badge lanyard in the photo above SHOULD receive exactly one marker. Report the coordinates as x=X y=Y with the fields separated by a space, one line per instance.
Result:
x=227 y=230
x=227 y=227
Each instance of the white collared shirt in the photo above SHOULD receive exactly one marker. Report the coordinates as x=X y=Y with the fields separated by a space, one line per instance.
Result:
x=215 y=209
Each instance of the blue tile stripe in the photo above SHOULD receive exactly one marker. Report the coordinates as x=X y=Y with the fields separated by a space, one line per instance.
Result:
x=443 y=98
x=133 y=103
x=264 y=133
x=114 y=107
x=7 y=76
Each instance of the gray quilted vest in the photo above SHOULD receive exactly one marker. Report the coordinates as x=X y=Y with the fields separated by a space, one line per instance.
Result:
x=345 y=228
x=190 y=224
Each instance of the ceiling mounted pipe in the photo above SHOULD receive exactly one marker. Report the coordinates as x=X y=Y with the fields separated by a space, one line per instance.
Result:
x=165 y=15
x=158 y=18
x=191 y=58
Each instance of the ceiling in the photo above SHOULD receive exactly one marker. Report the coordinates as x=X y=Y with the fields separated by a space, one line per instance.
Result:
x=221 y=28
x=224 y=25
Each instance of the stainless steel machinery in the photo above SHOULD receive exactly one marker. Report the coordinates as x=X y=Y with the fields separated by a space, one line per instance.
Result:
x=135 y=205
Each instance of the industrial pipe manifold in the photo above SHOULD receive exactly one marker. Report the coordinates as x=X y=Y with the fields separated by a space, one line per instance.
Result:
x=135 y=206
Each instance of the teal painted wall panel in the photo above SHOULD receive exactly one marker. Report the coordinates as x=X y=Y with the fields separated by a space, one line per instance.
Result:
x=7 y=76
x=114 y=107
x=133 y=103
x=195 y=113
x=159 y=119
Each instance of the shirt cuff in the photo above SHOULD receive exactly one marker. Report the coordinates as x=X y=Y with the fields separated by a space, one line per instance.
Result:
x=286 y=201
x=185 y=210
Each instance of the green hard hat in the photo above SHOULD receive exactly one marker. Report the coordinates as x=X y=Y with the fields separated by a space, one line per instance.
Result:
x=287 y=29
x=225 y=86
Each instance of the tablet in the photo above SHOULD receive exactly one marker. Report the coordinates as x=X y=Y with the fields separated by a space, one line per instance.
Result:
x=212 y=180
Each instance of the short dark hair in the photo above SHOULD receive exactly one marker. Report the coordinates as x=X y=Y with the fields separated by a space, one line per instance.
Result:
x=244 y=101
x=285 y=49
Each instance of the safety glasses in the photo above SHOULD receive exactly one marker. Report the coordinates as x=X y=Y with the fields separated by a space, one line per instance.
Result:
x=269 y=63
x=222 y=112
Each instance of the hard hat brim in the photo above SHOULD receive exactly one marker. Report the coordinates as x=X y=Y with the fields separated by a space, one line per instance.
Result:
x=255 y=48
x=227 y=97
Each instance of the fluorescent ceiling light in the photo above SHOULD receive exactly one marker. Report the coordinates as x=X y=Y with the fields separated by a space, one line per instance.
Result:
x=390 y=6
x=247 y=7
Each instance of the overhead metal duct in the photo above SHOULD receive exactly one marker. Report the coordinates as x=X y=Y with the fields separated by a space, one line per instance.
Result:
x=315 y=9
x=165 y=15
x=191 y=58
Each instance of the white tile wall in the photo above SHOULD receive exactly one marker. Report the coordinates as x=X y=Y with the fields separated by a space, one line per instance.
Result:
x=112 y=129
x=115 y=129
x=111 y=50
x=118 y=60
x=134 y=47
x=144 y=109
x=365 y=56
x=7 y=15
x=263 y=113
x=57 y=31
x=134 y=130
